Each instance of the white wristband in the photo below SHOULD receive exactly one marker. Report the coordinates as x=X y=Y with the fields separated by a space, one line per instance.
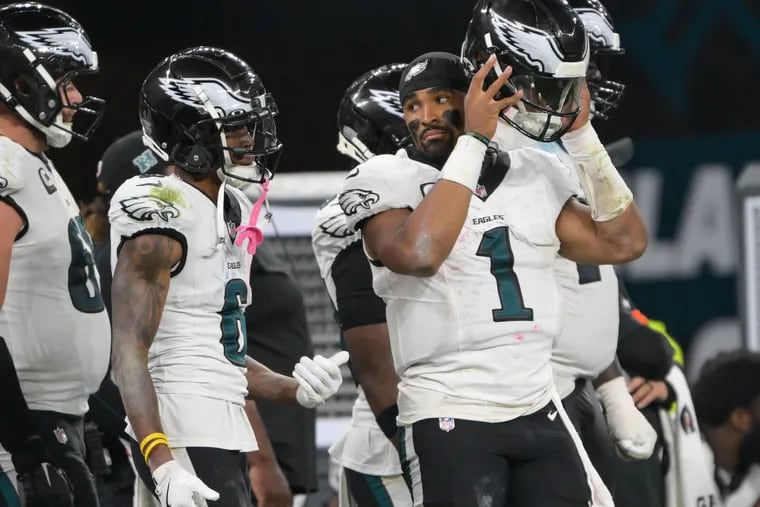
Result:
x=606 y=192
x=464 y=164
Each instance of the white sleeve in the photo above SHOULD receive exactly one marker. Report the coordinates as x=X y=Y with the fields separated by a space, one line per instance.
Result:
x=562 y=180
x=145 y=204
x=11 y=174
x=380 y=184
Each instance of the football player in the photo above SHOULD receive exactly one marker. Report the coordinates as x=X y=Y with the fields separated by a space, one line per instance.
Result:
x=370 y=123
x=462 y=238
x=559 y=99
x=180 y=283
x=55 y=332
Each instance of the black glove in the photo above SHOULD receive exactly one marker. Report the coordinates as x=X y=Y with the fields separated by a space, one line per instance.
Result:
x=40 y=483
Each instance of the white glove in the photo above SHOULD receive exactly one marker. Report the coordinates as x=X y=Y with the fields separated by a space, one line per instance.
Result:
x=634 y=436
x=318 y=378
x=176 y=487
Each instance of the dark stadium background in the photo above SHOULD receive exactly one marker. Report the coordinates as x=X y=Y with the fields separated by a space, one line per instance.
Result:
x=692 y=71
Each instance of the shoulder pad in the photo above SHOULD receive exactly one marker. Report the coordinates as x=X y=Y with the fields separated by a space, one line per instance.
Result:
x=150 y=201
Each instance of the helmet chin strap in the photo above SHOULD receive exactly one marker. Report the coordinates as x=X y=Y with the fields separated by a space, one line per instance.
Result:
x=58 y=134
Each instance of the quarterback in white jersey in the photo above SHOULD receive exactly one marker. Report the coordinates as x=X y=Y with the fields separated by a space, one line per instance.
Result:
x=370 y=123
x=585 y=348
x=55 y=335
x=464 y=259
x=181 y=268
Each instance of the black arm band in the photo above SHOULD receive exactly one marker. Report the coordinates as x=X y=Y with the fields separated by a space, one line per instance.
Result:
x=357 y=303
x=387 y=421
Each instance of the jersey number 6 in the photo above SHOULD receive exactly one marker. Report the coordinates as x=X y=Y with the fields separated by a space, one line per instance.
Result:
x=234 y=336
x=495 y=245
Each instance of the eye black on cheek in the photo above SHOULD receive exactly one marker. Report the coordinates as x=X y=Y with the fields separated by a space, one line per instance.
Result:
x=454 y=116
x=413 y=127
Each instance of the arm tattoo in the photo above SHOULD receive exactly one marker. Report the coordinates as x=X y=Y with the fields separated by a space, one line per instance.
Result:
x=139 y=289
x=263 y=383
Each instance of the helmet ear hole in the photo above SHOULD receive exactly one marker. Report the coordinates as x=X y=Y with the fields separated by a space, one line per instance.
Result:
x=22 y=86
x=193 y=159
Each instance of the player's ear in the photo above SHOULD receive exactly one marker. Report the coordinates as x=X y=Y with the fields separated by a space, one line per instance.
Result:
x=740 y=419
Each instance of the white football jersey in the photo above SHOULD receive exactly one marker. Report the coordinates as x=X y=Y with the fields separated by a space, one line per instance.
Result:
x=587 y=342
x=199 y=350
x=362 y=447
x=474 y=340
x=53 y=318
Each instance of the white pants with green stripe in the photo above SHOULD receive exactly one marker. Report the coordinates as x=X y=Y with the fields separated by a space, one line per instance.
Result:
x=364 y=490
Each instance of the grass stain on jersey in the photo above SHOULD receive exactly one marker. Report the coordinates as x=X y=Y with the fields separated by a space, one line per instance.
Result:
x=169 y=194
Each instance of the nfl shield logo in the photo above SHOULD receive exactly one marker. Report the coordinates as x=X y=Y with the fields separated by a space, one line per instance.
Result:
x=446 y=423
x=481 y=191
x=61 y=435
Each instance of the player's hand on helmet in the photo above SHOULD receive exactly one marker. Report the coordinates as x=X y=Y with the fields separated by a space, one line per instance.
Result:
x=41 y=484
x=176 y=487
x=481 y=109
x=584 y=115
x=318 y=378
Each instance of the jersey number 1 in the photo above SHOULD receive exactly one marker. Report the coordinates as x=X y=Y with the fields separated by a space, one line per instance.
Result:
x=234 y=336
x=495 y=245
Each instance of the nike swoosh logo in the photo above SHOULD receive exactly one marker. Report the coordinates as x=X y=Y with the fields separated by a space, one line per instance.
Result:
x=552 y=415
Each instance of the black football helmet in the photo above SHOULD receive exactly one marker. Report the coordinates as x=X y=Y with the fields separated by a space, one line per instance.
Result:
x=605 y=42
x=545 y=43
x=42 y=49
x=370 y=120
x=192 y=99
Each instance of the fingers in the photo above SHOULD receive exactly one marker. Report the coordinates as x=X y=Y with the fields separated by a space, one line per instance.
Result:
x=206 y=492
x=479 y=78
x=316 y=377
x=340 y=358
x=500 y=81
x=635 y=383
x=332 y=369
x=511 y=100
x=648 y=397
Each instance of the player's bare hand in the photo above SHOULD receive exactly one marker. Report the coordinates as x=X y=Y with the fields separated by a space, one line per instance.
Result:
x=646 y=391
x=481 y=109
x=584 y=116
x=269 y=485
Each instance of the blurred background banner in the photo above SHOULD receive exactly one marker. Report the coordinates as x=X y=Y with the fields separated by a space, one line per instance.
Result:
x=692 y=107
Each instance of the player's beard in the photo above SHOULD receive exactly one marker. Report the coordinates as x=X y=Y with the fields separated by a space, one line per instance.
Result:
x=437 y=151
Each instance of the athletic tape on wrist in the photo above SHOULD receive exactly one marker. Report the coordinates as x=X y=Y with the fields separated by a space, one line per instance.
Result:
x=464 y=164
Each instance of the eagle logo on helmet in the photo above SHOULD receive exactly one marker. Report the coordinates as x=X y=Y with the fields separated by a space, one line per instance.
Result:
x=335 y=224
x=598 y=28
x=352 y=200
x=200 y=91
x=388 y=100
x=532 y=45
x=417 y=68
x=65 y=41
x=146 y=207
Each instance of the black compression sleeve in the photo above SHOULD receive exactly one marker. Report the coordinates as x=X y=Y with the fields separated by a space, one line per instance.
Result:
x=17 y=428
x=357 y=303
